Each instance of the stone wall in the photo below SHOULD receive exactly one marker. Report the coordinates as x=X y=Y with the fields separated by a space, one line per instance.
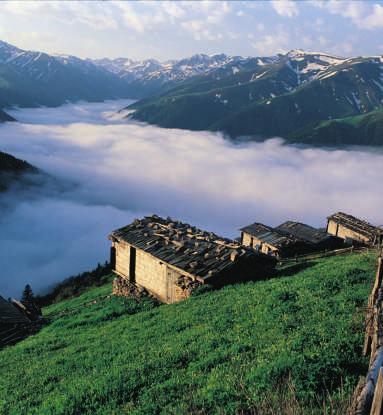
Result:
x=163 y=281
x=252 y=242
x=247 y=239
x=122 y=258
x=123 y=288
x=184 y=287
x=336 y=229
x=151 y=274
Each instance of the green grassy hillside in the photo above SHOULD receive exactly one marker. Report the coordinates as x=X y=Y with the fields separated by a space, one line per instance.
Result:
x=364 y=129
x=288 y=345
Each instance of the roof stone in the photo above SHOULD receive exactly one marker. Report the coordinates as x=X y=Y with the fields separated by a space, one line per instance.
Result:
x=186 y=247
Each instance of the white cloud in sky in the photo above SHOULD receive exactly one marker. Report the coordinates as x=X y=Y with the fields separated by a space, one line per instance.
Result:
x=364 y=14
x=269 y=44
x=287 y=8
x=374 y=20
x=176 y=29
x=200 y=31
x=92 y=14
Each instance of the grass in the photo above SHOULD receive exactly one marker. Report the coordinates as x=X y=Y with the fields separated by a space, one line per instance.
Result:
x=290 y=345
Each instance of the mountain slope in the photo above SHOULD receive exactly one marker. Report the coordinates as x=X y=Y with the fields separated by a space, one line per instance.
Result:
x=364 y=129
x=290 y=343
x=296 y=91
x=30 y=78
x=5 y=117
x=9 y=163
x=13 y=170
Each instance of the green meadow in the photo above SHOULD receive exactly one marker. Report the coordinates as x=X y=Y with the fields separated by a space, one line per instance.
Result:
x=288 y=345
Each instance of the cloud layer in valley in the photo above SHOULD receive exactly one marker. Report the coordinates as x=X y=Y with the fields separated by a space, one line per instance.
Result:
x=123 y=170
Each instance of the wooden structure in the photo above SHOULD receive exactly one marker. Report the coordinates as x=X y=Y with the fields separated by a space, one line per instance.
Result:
x=288 y=239
x=170 y=259
x=14 y=325
x=353 y=229
x=368 y=396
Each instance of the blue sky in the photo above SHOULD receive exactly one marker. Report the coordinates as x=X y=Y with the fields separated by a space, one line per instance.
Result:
x=174 y=29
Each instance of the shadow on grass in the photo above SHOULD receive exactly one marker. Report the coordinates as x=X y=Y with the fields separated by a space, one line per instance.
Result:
x=293 y=269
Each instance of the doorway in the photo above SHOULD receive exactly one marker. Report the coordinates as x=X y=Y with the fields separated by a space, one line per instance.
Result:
x=113 y=257
x=132 y=265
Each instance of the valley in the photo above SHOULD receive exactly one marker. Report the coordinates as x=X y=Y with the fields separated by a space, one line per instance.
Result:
x=300 y=96
x=191 y=207
x=109 y=170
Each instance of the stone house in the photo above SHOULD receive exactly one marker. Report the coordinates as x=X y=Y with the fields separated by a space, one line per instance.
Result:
x=170 y=259
x=353 y=229
x=288 y=239
x=267 y=240
x=313 y=238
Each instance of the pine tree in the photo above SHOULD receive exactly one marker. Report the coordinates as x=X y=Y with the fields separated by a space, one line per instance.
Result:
x=28 y=296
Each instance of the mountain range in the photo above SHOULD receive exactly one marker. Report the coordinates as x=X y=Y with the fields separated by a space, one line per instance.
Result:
x=304 y=97
x=29 y=78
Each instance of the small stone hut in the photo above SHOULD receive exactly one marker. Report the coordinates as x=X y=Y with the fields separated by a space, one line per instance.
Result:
x=353 y=229
x=170 y=259
x=288 y=239
x=269 y=241
x=14 y=325
x=315 y=239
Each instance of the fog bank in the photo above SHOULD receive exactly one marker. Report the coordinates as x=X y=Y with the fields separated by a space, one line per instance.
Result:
x=125 y=169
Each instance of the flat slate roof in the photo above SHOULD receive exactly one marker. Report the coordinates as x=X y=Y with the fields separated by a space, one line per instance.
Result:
x=256 y=229
x=304 y=232
x=186 y=247
x=269 y=235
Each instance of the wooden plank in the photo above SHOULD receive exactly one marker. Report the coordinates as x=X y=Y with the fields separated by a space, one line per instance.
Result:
x=377 y=403
x=369 y=399
x=364 y=400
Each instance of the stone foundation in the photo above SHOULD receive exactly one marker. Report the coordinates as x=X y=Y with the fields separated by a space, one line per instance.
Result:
x=184 y=287
x=124 y=288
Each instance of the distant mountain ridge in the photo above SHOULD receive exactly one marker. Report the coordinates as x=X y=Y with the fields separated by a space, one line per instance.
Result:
x=283 y=96
x=301 y=96
x=32 y=78
x=148 y=77
x=29 y=78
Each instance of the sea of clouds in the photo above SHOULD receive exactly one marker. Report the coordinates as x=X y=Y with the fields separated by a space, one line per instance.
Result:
x=115 y=170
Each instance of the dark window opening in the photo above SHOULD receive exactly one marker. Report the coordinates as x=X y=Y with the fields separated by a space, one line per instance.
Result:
x=132 y=265
x=113 y=257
